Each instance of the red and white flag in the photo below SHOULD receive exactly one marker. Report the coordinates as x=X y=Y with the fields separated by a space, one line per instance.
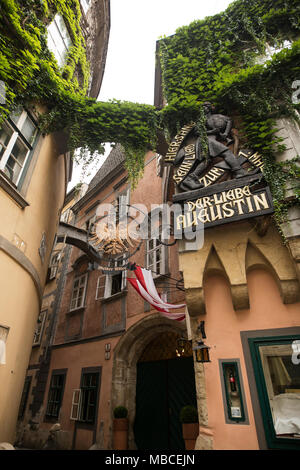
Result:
x=146 y=288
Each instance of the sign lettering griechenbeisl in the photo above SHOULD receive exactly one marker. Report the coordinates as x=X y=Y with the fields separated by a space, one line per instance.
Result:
x=224 y=185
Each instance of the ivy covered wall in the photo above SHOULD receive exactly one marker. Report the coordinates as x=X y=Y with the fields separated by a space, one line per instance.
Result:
x=217 y=59
x=32 y=75
x=244 y=60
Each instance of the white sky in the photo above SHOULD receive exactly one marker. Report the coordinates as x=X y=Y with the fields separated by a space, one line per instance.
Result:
x=136 y=25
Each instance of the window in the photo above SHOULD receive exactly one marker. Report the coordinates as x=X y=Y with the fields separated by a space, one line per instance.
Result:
x=85 y=5
x=84 y=401
x=90 y=224
x=78 y=292
x=59 y=40
x=277 y=373
x=156 y=257
x=56 y=391
x=17 y=136
x=121 y=205
x=39 y=328
x=3 y=338
x=66 y=216
x=111 y=284
x=54 y=264
x=271 y=50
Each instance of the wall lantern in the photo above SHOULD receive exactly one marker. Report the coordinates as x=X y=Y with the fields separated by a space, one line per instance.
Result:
x=201 y=352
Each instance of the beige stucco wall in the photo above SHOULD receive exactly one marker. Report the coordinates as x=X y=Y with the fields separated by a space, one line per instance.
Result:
x=223 y=326
x=19 y=307
x=22 y=270
x=237 y=281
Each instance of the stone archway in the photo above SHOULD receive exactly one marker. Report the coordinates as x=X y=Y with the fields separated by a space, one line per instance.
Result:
x=126 y=356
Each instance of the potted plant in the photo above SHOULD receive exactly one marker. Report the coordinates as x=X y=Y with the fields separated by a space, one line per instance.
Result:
x=190 y=426
x=120 y=428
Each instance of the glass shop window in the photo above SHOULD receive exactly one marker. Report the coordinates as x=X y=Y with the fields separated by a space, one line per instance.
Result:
x=277 y=366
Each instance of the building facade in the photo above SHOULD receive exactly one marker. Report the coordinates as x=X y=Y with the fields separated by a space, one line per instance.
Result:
x=108 y=341
x=241 y=273
x=240 y=267
x=35 y=170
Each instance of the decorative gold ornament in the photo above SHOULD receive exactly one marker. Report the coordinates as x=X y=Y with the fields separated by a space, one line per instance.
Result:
x=112 y=240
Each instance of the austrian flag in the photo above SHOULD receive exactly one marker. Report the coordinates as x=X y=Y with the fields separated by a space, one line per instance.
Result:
x=145 y=287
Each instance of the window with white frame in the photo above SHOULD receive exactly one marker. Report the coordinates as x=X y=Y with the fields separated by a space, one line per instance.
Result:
x=39 y=328
x=85 y=5
x=58 y=39
x=156 y=257
x=66 y=216
x=3 y=338
x=271 y=50
x=89 y=224
x=111 y=284
x=85 y=398
x=121 y=204
x=17 y=136
x=54 y=264
x=78 y=292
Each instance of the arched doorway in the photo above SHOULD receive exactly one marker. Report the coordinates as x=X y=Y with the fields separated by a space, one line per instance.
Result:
x=130 y=351
x=165 y=383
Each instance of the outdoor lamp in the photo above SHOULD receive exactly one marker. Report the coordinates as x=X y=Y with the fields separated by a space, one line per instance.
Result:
x=201 y=352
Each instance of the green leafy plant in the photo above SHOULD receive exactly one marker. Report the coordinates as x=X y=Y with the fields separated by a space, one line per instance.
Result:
x=120 y=412
x=188 y=414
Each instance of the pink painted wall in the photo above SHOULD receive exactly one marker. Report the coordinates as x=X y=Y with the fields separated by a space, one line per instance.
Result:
x=223 y=326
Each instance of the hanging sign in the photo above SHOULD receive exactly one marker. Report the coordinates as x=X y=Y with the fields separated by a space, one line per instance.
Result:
x=227 y=202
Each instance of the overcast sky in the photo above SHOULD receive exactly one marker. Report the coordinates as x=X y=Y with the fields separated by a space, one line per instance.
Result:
x=136 y=25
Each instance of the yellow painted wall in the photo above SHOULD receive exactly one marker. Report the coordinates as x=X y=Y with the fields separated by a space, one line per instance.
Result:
x=20 y=299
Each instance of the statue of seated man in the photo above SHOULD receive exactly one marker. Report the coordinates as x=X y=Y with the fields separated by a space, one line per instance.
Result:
x=218 y=128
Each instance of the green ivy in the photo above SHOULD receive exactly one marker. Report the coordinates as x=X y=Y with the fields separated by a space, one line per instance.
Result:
x=31 y=74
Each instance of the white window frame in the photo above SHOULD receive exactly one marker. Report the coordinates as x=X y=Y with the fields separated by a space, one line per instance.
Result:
x=65 y=216
x=76 y=404
x=4 y=330
x=17 y=134
x=90 y=224
x=85 y=5
x=54 y=263
x=39 y=328
x=73 y=297
x=270 y=51
x=108 y=284
x=121 y=201
x=60 y=56
x=102 y=278
x=157 y=266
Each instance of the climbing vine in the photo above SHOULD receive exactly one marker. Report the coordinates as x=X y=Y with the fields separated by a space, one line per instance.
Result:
x=244 y=60
x=32 y=75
